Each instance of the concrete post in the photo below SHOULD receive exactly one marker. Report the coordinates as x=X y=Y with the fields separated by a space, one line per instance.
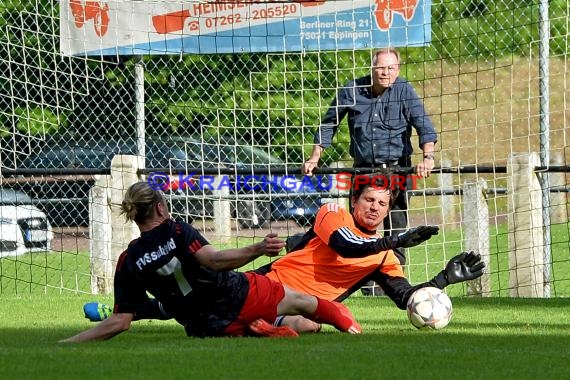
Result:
x=476 y=222
x=341 y=197
x=100 y=236
x=222 y=212
x=448 y=209
x=123 y=174
x=526 y=240
x=109 y=233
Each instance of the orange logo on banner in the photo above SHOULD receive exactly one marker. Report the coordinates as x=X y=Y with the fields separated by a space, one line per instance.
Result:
x=174 y=21
x=92 y=10
x=170 y=22
x=385 y=8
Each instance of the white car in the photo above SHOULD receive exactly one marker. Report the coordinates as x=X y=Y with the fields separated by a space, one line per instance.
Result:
x=11 y=239
x=23 y=228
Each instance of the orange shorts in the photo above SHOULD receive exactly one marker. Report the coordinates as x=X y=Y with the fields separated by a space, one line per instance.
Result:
x=262 y=299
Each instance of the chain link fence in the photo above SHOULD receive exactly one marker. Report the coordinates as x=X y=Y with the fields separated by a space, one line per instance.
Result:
x=226 y=112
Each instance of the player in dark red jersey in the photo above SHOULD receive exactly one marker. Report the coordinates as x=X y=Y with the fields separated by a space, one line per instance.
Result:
x=193 y=281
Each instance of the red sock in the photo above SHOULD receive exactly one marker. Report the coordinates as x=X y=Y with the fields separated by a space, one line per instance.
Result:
x=328 y=313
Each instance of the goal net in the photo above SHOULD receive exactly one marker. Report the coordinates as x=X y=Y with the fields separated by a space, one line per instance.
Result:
x=219 y=96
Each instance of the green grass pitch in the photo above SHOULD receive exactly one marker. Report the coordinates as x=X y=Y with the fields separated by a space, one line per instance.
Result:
x=488 y=338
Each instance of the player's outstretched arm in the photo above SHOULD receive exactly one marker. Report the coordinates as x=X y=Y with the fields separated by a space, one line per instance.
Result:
x=463 y=267
x=114 y=325
x=235 y=258
x=410 y=238
x=347 y=244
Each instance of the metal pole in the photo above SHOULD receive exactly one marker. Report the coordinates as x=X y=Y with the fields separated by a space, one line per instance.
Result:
x=543 y=62
x=139 y=107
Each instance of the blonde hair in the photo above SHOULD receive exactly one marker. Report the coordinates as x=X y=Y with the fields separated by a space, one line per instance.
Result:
x=139 y=200
x=388 y=50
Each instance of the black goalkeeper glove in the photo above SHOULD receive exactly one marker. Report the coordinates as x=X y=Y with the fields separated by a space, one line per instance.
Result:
x=463 y=267
x=415 y=236
x=409 y=238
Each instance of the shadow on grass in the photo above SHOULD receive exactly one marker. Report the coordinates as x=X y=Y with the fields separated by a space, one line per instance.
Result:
x=164 y=351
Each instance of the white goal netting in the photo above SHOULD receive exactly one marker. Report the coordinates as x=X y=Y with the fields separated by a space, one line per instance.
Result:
x=82 y=81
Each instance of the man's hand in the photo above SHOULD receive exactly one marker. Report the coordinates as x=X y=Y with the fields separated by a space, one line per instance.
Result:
x=463 y=267
x=313 y=161
x=271 y=245
x=308 y=167
x=410 y=238
x=424 y=168
x=415 y=236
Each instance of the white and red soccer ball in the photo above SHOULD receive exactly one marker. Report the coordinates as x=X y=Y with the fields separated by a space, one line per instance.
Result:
x=429 y=308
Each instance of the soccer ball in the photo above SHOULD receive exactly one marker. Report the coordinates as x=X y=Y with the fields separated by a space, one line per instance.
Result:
x=429 y=308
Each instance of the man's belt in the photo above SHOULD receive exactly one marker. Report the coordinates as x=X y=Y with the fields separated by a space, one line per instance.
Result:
x=383 y=165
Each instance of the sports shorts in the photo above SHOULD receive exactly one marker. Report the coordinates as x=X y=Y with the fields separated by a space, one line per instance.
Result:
x=262 y=299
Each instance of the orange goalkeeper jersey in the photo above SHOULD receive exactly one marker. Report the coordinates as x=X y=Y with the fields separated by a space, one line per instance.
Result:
x=336 y=259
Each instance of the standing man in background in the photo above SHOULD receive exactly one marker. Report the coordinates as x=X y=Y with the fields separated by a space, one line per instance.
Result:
x=382 y=108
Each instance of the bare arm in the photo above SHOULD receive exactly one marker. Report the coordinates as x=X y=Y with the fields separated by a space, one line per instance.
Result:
x=237 y=257
x=313 y=161
x=424 y=167
x=114 y=325
x=428 y=148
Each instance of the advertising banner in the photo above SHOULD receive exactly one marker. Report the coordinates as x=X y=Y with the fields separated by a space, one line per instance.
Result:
x=239 y=26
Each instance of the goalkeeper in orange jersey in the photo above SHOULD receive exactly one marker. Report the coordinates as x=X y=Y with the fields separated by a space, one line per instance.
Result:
x=343 y=250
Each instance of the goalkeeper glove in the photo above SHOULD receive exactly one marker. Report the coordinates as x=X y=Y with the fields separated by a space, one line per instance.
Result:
x=463 y=267
x=409 y=238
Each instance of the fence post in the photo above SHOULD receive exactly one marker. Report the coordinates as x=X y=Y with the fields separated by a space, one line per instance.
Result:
x=99 y=236
x=340 y=197
x=476 y=222
x=447 y=202
x=123 y=174
x=526 y=261
x=222 y=212
x=109 y=233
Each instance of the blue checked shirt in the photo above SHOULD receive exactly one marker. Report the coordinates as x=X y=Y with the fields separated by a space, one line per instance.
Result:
x=380 y=128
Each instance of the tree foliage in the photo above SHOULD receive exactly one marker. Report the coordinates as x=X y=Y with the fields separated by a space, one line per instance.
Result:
x=269 y=100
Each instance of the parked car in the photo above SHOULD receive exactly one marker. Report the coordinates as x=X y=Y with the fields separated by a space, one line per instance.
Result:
x=65 y=198
x=23 y=227
x=258 y=198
